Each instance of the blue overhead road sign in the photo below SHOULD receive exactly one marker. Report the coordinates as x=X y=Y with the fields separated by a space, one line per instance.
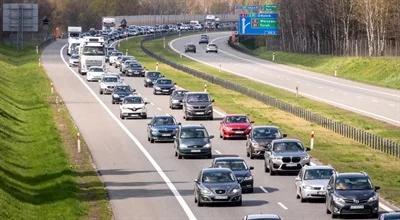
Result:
x=261 y=24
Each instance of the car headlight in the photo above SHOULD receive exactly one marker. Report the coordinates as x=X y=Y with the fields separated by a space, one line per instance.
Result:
x=250 y=177
x=373 y=198
x=338 y=199
x=277 y=157
x=157 y=88
x=205 y=191
x=236 y=190
x=228 y=128
x=307 y=187
x=116 y=95
x=207 y=146
x=154 y=130
x=307 y=157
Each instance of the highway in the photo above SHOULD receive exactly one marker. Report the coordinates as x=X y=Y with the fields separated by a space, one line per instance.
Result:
x=146 y=181
x=376 y=102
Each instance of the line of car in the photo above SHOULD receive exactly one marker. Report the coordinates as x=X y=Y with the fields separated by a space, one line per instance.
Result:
x=204 y=39
x=228 y=177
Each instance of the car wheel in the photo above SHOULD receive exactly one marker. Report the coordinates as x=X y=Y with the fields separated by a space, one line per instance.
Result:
x=209 y=156
x=112 y=101
x=271 y=172
x=179 y=156
x=211 y=118
x=266 y=169
x=223 y=137
x=239 y=203
x=327 y=211
x=302 y=200
x=152 y=140
x=334 y=215
x=122 y=117
x=247 y=154
x=144 y=116
x=251 y=190
x=199 y=202
x=251 y=156
x=101 y=92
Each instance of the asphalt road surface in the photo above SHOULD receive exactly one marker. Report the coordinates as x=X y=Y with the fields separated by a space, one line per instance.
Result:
x=379 y=103
x=146 y=181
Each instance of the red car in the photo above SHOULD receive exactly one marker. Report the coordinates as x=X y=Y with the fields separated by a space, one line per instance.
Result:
x=235 y=126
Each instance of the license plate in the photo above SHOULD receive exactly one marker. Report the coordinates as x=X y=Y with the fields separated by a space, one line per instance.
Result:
x=221 y=197
x=239 y=132
x=357 y=207
x=199 y=113
x=166 y=135
x=321 y=193
x=165 y=90
x=291 y=165
x=195 y=151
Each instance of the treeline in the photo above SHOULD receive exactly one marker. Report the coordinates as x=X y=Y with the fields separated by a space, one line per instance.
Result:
x=340 y=27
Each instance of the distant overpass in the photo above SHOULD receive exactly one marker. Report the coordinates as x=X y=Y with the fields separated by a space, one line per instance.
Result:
x=170 y=19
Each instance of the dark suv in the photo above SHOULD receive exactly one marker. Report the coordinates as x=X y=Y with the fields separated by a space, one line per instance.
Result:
x=352 y=193
x=260 y=139
x=197 y=105
x=193 y=140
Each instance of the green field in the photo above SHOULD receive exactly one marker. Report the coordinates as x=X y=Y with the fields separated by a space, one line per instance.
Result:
x=331 y=148
x=379 y=71
x=37 y=179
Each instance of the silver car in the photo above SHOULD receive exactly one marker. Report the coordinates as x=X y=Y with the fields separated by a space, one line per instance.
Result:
x=312 y=181
x=212 y=48
x=285 y=155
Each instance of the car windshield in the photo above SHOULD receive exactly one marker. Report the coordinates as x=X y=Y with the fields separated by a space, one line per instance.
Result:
x=116 y=54
x=266 y=133
x=392 y=217
x=218 y=177
x=198 y=98
x=234 y=165
x=160 y=121
x=96 y=69
x=237 y=119
x=164 y=82
x=353 y=183
x=94 y=51
x=110 y=79
x=122 y=89
x=133 y=100
x=318 y=174
x=187 y=133
x=212 y=45
x=179 y=94
x=291 y=146
x=136 y=66
x=74 y=56
x=153 y=75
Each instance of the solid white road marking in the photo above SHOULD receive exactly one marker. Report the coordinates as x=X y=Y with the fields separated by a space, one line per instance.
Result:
x=264 y=189
x=160 y=172
x=282 y=205
x=152 y=103
x=159 y=109
x=292 y=90
x=218 y=152
x=386 y=208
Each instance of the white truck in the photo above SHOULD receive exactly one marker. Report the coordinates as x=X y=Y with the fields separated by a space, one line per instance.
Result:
x=92 y=52
x=73 y=38
x=108 y=24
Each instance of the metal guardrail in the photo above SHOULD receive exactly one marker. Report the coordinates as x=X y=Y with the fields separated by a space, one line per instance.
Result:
x=374 y=141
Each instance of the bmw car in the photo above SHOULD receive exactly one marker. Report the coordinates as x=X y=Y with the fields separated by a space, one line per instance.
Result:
x=217 y=185
x=162 y=128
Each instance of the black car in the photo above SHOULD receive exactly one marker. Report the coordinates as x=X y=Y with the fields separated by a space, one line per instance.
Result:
x=176 y=98
x=151 y=77
x=162 y=128
x=120 y=92
x=190 y=48
x=135 y=69
x=163 y=86
x=239 y=168
x=352 y=193
x=192 y=140
x=260 y=138
x=217 y=185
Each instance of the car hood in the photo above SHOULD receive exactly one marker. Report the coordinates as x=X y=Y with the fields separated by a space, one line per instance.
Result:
x=321 y=182
x=220 y=186
x=165 y=86
x=198 y=103
x=110 y=83
x=238 y=125
x=242 y=173
x=133 y=105
x=166 y=127
x=195 y=141
x=356 y=194
x=291 y=154
x=177 y=98
x=121 y=93
x=263 y=142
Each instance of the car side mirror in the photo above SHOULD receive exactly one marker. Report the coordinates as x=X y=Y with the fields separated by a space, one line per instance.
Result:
x=174 y=83
x=179 y=123
x=196 y=180
x=251 y=168
x=211 y=136
x=252 y=122
x=329 y=187
x=212 y=100
x=297 y=179
x=377 y=188
x=308 y=149
x=146 y=103
x=284 y=135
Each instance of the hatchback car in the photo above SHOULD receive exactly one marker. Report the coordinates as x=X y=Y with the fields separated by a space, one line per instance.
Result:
x=285 y=155
x=260 y=139
x=193 y=140
x=217 y=185
x=120 y=92
x=352 y=193
x=95 y=73
x=162 y=128
x=312 y=181
x=151 y=77
x=239 y=167
x=190 y=48
x=133 y=106
x=176 y=98
x=235 y=126
x=163 y=86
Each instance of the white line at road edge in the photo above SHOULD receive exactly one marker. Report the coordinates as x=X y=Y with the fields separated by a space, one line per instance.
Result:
x=170 y=185
x=384 y=207
x=218 y=152
x=347 y=107
x=282 y=205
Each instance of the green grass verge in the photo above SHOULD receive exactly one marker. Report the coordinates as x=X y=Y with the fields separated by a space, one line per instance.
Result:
x=379 y=71
x=331 y=148
x=37 y=178
x=356 y=120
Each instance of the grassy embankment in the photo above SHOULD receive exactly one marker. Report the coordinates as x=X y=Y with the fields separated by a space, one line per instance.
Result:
x=344 y=154
x=379 y=71
x=41 y=175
